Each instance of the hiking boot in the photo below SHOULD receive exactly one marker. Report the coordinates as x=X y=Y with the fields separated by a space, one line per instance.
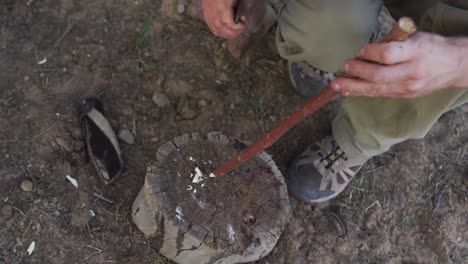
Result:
x=308 y=80
x=322 y=171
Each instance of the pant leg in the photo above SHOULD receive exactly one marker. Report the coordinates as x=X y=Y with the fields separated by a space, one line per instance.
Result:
x=325 y=33
x=370 y=126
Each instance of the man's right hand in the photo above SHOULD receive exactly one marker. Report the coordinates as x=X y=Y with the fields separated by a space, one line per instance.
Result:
x=219 y=15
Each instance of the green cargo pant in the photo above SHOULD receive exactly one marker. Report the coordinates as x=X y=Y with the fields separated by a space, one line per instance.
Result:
x=325 y=33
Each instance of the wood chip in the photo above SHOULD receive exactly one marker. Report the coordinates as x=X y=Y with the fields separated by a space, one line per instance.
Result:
x=73 y=181
x=31 y=248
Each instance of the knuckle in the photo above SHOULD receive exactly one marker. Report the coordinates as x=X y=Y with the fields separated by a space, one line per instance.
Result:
x=378 y=77
x=417 y=73
x=388 y=55
x=410 y=88
x=218 y=33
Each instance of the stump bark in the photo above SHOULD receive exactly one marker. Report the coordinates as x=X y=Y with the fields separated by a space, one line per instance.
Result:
x=190 y=217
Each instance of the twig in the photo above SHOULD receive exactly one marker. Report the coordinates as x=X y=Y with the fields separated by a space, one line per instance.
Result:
x=67 y=30
x=41 y=133
x=372 y=205
x=100 y=196
x=98 y=251
x=17 y=209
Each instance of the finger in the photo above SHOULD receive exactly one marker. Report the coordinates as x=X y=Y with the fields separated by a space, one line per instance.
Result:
x=229 y=34
x=378 y=73
x=228 y=21
x=387 y=53
x=222 y=31
x=217 y=28
x=358 y=87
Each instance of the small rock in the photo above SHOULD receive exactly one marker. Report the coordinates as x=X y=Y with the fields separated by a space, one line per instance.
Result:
x=161 y=100
x=76 y=133
x=6 y=212
x=465 y=108
x=127 y=111
x=187 y=109
x=223 y=77
x=209 y=95
x=180 y=9
x=126 y=136
x=202 y=102
x=27 y=186
x=161 y=77
x=62 y=143
x=178 y=88
x=79 y=146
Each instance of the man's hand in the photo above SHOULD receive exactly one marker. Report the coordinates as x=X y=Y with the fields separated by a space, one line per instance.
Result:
x=219 y=15
x=417 y=66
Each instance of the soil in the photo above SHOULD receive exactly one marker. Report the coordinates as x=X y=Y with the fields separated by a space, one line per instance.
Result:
x=406 y=206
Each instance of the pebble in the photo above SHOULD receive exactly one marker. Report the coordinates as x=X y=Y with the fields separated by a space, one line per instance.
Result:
x=178 y=88
x=6 y=212
x=76 y=133
x=180 y=8
x=27 y=186
x=161 y=100
x=209 y=94
x=186 y=110
x=202 y=102
x=62 y=143
x=127 y=111
x=465 y=108
x=126 y=136
x=79 y=146
x=223 y=77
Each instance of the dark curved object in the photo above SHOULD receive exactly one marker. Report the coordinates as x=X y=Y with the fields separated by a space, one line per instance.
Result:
x=101 y=142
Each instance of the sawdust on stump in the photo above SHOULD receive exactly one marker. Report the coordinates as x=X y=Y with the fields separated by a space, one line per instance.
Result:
x=191 y=217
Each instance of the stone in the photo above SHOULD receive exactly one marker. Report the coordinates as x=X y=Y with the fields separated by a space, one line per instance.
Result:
x=127 y=111
x=209 y=95
x=76 y=133
x=178 y=88
x=223 y=77
x=202 y=102
x=27 y=186
x=62 y=143
x=465 y=108
x=6 y=212
x=79 y=146
x=180 y=9
x=161 y=99
x=126 y=136
x=186 y=109
x=80 y=213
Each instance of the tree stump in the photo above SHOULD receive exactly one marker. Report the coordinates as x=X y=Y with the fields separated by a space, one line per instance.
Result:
x=190 y=217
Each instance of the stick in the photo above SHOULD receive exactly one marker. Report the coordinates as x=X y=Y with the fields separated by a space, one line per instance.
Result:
x=400 y=31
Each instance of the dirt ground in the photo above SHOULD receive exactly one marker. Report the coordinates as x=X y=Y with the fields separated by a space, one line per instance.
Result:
x=406 y=206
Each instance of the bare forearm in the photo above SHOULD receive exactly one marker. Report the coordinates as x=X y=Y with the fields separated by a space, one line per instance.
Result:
x=462 y=45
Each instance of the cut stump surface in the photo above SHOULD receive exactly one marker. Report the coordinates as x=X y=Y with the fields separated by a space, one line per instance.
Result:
x=190 y=217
